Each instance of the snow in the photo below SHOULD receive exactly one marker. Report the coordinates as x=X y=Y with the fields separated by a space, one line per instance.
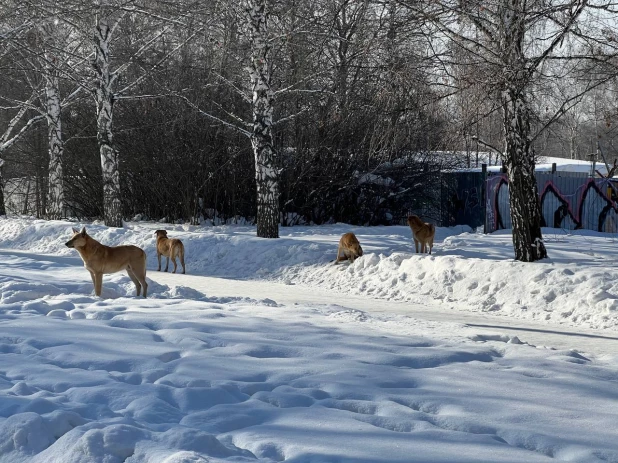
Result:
x=261 y=353
x=562 y=165
x=570 y=165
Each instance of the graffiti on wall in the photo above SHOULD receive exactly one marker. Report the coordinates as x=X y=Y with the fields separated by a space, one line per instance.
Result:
x=570 y=203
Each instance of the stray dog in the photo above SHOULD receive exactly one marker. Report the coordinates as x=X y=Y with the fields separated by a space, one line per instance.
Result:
x=351 y=248
x=99 y=259
x=422 y=233
x=169 y=247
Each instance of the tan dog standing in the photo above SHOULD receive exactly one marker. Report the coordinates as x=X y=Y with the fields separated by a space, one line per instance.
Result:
x=423 y=233
x=350 y=247
x=100 y=259
x=169 y=247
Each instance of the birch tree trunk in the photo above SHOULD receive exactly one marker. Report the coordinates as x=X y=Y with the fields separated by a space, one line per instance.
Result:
x=266 y=173
x=55 y=201
x=2 y=206
x=518 y=155
x=105 y=105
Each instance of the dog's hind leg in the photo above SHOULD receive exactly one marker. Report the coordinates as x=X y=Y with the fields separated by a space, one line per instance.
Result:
x=144 y=284
x=138 y=268
x=182 y=258
x=159 y=259
x=138 y=285
x=433 y=235
x=337 y=259
x=173 y=253
x=167 y=262
x=141 y=275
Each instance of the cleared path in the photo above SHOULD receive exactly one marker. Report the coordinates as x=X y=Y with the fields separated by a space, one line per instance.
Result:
x=598 y=342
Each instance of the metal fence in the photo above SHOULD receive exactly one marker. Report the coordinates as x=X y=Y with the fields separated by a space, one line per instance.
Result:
x=567 y=201
x=462 y=199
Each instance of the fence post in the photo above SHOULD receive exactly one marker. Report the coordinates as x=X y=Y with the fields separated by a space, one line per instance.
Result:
x=483 y=195
x=553 y=167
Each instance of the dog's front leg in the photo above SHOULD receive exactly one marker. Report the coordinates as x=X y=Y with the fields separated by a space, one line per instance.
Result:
x=159 y=259
x=98 y=284
x=94 y=283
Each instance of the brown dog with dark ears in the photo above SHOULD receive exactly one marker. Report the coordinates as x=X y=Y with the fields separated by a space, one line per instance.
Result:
x=100 y=259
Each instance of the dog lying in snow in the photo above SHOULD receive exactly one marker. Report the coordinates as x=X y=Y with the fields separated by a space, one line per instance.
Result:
x=100 y=259
x=169 y=247
x=422 y=233
x=349 y=248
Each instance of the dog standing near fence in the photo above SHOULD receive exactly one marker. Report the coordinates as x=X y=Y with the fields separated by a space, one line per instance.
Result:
x=423 y=233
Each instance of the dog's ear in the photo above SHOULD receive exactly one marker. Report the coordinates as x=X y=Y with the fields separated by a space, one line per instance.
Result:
x=83 y=232
x=75 y=230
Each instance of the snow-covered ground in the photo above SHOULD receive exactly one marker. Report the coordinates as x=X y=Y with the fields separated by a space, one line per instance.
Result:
x=577 y=285
x=187 y=376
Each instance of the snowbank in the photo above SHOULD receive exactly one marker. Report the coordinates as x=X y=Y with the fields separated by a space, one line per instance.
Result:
x=577 y=285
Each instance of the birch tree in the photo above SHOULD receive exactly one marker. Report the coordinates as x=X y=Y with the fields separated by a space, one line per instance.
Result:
x=55 y=200
x=518 y=155
x=50 y=62
x=515 y=39
x=261 y=101
x=266 y=173
x=104 y=97
x=106 y=89
x=41 y=50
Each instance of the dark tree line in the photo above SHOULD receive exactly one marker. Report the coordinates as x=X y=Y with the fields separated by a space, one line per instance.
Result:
x=285 y=112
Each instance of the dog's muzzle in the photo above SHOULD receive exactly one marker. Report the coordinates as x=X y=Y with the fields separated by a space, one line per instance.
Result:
x=69 y=244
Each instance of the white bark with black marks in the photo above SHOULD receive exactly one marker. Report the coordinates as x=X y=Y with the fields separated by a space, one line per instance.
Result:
x=105 y=105
x=55 y=200
x=266 y=173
